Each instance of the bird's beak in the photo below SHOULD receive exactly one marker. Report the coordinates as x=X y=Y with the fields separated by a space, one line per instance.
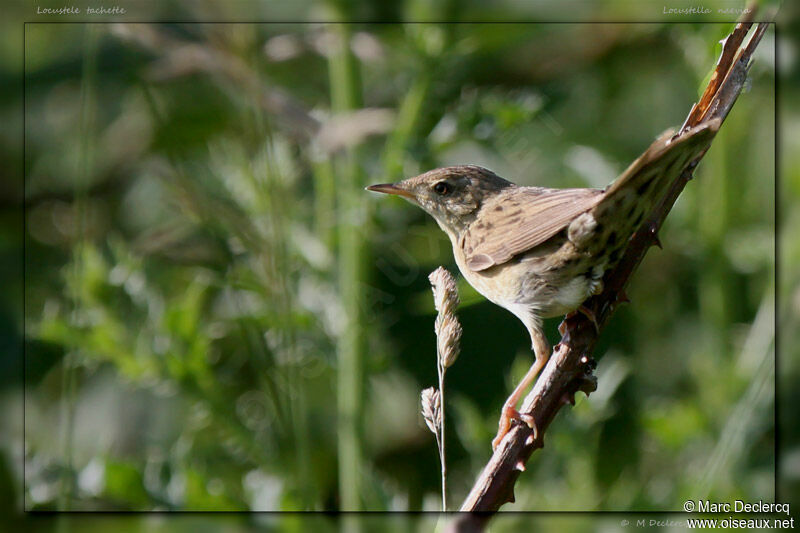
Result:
x=391 y=188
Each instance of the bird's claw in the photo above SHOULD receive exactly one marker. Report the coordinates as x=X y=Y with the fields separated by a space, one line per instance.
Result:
x=591 y=316
x=588 y=313
x=531 y=422
x=508 y=414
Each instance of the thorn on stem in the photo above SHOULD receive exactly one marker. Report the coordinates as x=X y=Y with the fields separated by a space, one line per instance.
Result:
x=588 y=384
x=654 y=232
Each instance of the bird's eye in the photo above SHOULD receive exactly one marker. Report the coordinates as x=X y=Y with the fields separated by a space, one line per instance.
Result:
x=442 y=188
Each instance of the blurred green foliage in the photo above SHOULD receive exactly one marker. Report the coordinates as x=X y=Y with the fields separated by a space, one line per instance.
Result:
x=201 y=264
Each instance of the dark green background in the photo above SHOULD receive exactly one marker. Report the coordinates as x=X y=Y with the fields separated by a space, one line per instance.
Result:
x=193 y=248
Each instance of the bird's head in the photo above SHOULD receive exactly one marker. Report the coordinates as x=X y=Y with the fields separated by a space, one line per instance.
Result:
x=451 y=195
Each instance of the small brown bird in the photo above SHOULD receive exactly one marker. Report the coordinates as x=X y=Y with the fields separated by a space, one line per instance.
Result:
x=541 y=252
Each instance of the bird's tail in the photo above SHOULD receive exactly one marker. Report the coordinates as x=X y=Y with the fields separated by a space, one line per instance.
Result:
x=631 y=198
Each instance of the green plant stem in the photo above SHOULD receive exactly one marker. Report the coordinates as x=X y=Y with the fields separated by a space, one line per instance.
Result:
x=83 y=182
x=753 y=411
x=68 y=419
x=716 y=301
x=282 y=269
x=325 y=201
x=441 y=442
x=267 y=181
x=407 y=118
x=345 y=96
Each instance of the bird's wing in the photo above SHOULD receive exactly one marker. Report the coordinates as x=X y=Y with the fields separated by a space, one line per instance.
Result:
x=526 y=217
x=521 y=220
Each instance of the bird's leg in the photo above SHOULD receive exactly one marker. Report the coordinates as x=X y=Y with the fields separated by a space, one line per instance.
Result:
x=541 y=350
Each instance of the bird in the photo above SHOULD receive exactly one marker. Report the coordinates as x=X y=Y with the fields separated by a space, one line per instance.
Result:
x=541 y=252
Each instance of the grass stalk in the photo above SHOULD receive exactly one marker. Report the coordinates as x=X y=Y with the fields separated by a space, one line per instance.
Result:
x=441 y=437
x=346 y=96
x=407 y=118
x=82 y=183
x=448 y=337
x=325 y=202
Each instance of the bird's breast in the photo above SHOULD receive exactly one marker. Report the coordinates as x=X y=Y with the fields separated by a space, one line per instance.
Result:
x=507 y=285
x=532 y=280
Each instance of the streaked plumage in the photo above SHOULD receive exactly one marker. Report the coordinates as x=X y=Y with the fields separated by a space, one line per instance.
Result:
x=542 y=252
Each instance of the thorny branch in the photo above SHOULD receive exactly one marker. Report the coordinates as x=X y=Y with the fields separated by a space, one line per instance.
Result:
x=569 y=369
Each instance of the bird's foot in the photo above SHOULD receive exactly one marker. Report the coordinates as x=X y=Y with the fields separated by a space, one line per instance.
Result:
x=531 y=422
x=591 y=316
x=596 y=286
x=508 y=414
x=588 y=313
